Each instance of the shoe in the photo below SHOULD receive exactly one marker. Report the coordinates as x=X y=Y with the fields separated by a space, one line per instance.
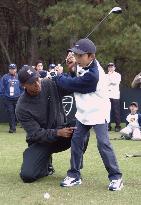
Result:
x=12 y=131
x=115 y=185
x=122 y=137
x=69 y=181
x=117 y=128
x=51 y=170
x=109 y=128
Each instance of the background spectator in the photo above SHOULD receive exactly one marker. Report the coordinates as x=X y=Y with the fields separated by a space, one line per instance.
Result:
x=132 y=130
x=0 y=85
x=11 y=90
x=39 y=67
x=114 y=80
x=137 y=81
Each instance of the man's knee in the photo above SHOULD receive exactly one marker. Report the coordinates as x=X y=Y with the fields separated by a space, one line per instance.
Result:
x=27 y=176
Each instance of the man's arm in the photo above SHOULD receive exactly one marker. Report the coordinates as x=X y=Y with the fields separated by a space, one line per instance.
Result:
x=37 y=134
x=137 y=81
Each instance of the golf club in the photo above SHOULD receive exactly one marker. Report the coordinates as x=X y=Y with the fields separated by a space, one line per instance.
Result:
x=132 y=155
x=115 y=10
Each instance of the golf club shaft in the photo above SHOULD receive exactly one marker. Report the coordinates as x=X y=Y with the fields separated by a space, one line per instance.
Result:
x=97 y=25
x=133 y=155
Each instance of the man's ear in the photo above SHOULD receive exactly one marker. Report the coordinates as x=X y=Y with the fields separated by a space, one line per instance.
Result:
x=23 y=85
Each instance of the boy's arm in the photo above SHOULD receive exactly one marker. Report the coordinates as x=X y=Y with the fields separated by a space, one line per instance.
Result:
x=82 y=84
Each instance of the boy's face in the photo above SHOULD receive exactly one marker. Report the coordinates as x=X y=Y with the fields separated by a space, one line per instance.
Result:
x=84 y=60
x=39 y=67
x=111 y=69
x=133 y=108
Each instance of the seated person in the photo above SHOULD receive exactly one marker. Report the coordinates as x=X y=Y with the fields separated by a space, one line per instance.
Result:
x=132 y=130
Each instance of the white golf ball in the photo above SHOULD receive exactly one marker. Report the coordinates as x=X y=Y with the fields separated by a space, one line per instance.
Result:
x=46 y=195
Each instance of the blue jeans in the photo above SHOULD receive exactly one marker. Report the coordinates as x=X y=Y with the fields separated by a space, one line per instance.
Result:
x=104 y=147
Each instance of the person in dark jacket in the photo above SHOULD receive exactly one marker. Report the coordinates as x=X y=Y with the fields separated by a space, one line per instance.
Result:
x=39 y=67
x=41 y=114
x=11 y=91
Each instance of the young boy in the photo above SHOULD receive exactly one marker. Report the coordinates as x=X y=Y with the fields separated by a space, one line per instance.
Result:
x=93 y=111
x=132 y=130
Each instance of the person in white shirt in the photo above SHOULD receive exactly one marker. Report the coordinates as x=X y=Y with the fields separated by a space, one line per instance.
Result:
x=114 y=80
x=93 y=111
x=132 y=130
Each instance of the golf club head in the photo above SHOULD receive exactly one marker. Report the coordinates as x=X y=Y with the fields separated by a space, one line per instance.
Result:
x=116 y=10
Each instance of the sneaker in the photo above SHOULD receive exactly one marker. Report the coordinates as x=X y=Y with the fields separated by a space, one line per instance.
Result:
x=51 y=170
x=12 y=131
x=117 y=128
x=109 y=128
x=69 y=181
x=115 y=185
x=122 y=137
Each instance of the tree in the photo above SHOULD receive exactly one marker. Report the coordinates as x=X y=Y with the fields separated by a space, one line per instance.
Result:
x=46 y=28
x=118 y=39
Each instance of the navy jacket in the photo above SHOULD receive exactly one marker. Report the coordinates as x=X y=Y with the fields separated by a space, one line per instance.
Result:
x=7 y=80
x=82 y=84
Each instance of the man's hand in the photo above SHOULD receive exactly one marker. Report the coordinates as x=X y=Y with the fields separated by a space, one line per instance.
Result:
x=65 y=132
x=59 y=69
x=71 y=61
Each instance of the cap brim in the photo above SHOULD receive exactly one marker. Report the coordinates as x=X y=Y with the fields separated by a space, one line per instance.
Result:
x=12 y=68
x=77 y=51
x=33 y=78
x=134 y=104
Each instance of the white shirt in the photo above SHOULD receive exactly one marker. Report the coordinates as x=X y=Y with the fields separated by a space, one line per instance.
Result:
x=133 y=120
x=94 y=108
x=113 y=80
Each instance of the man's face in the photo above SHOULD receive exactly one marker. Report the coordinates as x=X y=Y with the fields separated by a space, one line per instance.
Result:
x=83 y=59
x=111 y=69
x=13 y=71
x=39 y=67
x=34 y=88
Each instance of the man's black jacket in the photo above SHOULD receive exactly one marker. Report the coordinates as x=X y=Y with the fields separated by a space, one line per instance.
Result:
x=42 y=115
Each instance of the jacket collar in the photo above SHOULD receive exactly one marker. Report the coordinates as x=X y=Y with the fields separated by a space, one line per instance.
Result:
x=93 y=64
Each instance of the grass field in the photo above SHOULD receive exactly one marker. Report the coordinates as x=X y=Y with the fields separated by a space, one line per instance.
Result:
x=94 y=187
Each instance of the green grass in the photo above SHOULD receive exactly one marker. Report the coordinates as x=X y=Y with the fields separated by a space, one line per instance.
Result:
x=94 y=187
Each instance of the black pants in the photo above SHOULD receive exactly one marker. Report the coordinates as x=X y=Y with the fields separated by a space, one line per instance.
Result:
x=36 y=158
x=115 y=111
x=10 y=105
